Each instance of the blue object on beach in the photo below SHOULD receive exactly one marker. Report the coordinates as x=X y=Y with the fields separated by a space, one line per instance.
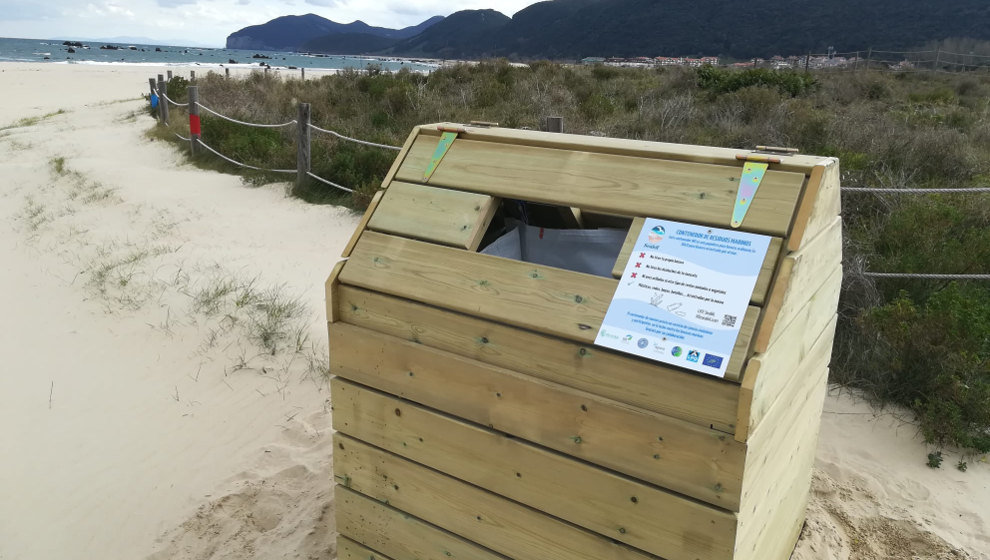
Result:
x=154 y=101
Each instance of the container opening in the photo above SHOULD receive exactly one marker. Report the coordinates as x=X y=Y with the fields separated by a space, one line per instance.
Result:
x=556 y=236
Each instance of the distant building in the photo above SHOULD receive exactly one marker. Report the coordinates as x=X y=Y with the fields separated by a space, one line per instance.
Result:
x=592 y=60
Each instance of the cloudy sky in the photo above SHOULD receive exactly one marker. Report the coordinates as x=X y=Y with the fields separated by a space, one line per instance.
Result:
x=208 y=22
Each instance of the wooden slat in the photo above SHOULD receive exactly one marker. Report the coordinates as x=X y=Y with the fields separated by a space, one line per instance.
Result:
x=695 y=461
x=762 y=281
x=444 y=216
x=741 y=352
x=399 y=535
x=820 y=204
x=769 y=375
x=544 y=299
x=480 y=516
x=630 y=186
x=406 y=146
x=799 y=276
x=627 y=246
x=618 y=507
x=779 y=463
x=700 y=399
x=620 y=146
x=331 y=287
x=375 y=200
x=350 y=550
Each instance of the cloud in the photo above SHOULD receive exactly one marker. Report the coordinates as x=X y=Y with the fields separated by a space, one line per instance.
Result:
x=173 y=3
x=324 y=3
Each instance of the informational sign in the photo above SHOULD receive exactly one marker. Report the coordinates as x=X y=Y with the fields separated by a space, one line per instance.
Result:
x=683 y=295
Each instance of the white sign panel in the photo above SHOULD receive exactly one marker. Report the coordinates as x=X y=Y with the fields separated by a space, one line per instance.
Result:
x=683 y=295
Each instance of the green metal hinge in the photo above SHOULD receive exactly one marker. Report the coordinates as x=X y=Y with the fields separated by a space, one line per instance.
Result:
x=446 y=141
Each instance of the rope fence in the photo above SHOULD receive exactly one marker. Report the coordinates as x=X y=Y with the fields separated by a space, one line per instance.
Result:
x=303 y=126
x=303 y=161
x=349 y=139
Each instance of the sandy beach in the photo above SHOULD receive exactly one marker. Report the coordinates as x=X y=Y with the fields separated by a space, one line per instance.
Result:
x=162 y=390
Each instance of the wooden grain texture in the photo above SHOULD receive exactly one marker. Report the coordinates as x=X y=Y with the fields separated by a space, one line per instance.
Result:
x=406 y=146
x=375 y=200
x=820 y=204
x=698 y=462
x=627 y=246
x=769 y=376
x=612 y=505
x=799 y=276
x=700 y=399
x=619 y=146
x=762 y=281
x=544 y=299
x=625 y=185
x=399 y=535
x=454 y=218
x=488 y=519
x=742 y=351
x=331 y=287
x=350 y=550
x=779 y=469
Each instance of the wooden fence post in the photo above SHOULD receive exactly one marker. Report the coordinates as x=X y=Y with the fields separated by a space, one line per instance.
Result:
x=162 y=101
x=869 y=57
x=807 y=62
x=226 y=72
x=555 y=124
x=192 y=75
x=168 y=74
x=938 y=52
x=194 y=125
x=303 y=73
x=154 y=96
x=303 y=160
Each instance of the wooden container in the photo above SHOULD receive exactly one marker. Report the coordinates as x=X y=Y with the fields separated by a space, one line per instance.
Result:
x=476 y=419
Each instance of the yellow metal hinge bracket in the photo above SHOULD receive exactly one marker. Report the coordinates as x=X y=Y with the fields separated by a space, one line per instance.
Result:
x=753 y=171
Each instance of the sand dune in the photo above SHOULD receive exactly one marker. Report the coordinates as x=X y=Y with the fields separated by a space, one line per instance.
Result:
x=162 y=343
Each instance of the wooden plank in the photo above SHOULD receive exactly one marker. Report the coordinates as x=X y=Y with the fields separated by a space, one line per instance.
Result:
x=406 y=146
x=776 y=448
x=625 y=185
x=776 y=495
x=544 y=299
x=331 y=287
x=480 y=516
x=375 y=200
x=454 y=218
x=627 y=246
x=742 y=351
x=762 y=281
x=700 y=399
x=820 y=204
x=768 y=376
x=702 y=463
x=618 y=507
x=399 y=535
x=619 y=146
x=799 y=275
x=350 y=550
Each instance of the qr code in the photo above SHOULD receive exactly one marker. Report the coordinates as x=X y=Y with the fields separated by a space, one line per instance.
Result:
x=729 y=321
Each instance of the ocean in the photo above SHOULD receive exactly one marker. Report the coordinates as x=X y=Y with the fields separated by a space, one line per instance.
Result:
x=53 y=51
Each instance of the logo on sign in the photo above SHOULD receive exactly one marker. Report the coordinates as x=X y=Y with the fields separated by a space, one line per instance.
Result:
x=656 y=234
x=676 y=351
x=712 y=360
x=693 y=356
x=643 y=343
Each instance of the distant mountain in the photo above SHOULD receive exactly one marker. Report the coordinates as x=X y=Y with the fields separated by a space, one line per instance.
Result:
x=291 y=33
x=364 y=43
x=573 y=29
x=474 y=31
x=127 y=40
